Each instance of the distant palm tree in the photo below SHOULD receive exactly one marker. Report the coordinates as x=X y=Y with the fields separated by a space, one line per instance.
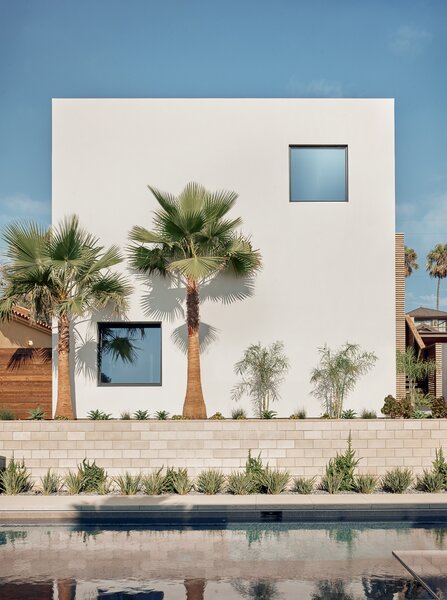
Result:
x=62 y=273
x=437 y=266
x=410 y=261
x=193 y=240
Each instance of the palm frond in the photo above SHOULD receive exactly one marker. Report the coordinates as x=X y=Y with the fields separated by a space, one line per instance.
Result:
x=143 y=236
x=197 y=267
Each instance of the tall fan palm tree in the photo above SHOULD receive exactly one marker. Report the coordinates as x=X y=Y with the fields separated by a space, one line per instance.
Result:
x=411 y=263
x=62 y=273
x=437 y=266
x=193 y=239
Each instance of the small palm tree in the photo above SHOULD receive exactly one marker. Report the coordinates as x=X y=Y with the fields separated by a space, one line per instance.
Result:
x=411 y=263
x=437 y=266
x=193 y=240
x=61 y=273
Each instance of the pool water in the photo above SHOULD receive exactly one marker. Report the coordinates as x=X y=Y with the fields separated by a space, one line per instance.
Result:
x=266 y=562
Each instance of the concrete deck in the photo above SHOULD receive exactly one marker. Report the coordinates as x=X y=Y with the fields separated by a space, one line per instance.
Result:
x=417 y=508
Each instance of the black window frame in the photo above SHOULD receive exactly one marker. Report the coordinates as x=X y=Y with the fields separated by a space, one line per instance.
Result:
x=148 y=324
x=320 y=146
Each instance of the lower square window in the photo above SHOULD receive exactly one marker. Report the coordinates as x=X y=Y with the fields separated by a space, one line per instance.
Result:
x=129 y=353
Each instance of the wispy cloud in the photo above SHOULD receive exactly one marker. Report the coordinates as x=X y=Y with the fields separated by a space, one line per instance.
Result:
x=317 y=88
x=408 y=40
x=429 y=228
x=20 y=206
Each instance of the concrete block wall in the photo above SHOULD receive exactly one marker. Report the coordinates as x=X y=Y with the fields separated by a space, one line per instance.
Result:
x=303 y=446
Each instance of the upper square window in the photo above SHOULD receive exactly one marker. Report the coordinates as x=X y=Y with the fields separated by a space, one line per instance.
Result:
x=129 y=353
x=318 y=173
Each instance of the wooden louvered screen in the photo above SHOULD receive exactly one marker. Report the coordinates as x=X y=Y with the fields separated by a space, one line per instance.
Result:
x=400 y=307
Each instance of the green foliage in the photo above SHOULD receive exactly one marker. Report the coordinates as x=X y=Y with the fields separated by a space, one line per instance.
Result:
x=255 y=468
x=152 y=483
x=440 y=466
x=36 y=414
x=238 y=413
x=365 y=483
x=92 y=476
x=7 y=415
x=268 y=414
x=125 y=416
x=61 y=418
x=368 y=414
x=15 y=479
x=128 y=484
x=415 y=368
x=331 y=481
x=437 y=266
x=349 y=413
x=430 y=481
x=341 y=468
x=438 y=408
x=141 y=415
x=73 y=483
x=410 y=261
x=395 y=409
x=98 y=415
x=241 y=484
x=337 y=375
x=162 y=415
x=210 y=482
x=262 y=370
x=273 y=481
x=51 y=483
x=177 y=481
x=303 y=485
x=299 y=414
x=178 y=418
x=397 y=481
x=217 y=417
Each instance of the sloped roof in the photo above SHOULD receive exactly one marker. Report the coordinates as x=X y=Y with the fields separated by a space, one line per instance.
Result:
x=427 y=313
x=23 y=315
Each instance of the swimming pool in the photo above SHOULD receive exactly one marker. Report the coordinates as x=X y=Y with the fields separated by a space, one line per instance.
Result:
x=266 y=562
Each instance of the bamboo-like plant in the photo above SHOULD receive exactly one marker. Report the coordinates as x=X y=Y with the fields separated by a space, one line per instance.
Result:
x=415 y=368
x=60 y=273
x=193 y=240
x=337 y=375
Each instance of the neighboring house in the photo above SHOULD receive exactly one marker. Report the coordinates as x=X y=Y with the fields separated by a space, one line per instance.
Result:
x=426 y=331
x=316 y=184
x=25 y=364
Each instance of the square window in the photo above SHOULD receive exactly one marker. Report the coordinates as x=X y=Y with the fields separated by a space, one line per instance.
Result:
x=129 y=354
x=318 y=173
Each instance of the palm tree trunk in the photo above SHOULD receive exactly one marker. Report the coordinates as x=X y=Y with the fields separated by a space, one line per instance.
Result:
x=194 y=405
x=64 y=406
x=437 y=293
x=195 y=589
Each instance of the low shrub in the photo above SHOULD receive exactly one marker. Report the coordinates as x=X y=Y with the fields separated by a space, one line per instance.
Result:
x=15 y=478
x=98 y=415
x=255 y=468
x=241 y=484
x=162 y=415
x=397 y=481
x=430 y=481
x=440 y=466
x=141 y=415
x=303 y=485
x=73 y=483
x=7 y=415
x=238 y=413
x=51 y=483
x=299 y=414
x=331 y=481
x=365 y=483
x=177 y=481
x=210 y=482
x=128 y=484
x=178 y=418
x=125 y=416
x=368 y=414
x=438 y=408
x=268 y=414
x=273 y=481
x=61 y=418
x=36 y=414
x=344 y=465
x=349 y=413
x=92 y=476
x=152 y=483
x=395 y=409
x=217 y=417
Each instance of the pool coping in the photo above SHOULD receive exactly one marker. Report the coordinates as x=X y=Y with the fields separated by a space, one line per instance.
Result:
x=221 y=509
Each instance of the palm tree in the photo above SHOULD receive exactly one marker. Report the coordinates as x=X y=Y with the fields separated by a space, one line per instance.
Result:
x=410 y=261
x=62 y=273
x=437 y=266
x=193 y=240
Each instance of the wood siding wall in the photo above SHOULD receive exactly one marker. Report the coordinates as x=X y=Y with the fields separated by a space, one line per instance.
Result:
x=25 y=380
x=400 y=308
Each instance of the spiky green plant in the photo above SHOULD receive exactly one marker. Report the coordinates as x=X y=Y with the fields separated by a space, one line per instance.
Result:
x=398 y=480
x=210 y=482
x=61 y=273
x=365 y=483
x=128 y=484
x=36 y=414
x=98 y=415
x=51 y=483
x=303 y=485
x=331 y=481
x=238 y=413
x=430 y=481
x=299 y=414
x=193 y=241
x=125 y=415
x=343 y=464
x=177 y=481
x=368 y=414
x=440 y=466
x=162 y=415
x=153 y=483
x=92 y=476
x=141 y=415
x=7 y=415
x=348 y=413
x=241 y=484
x=73 y=483
x=273 y=481
x=15 y=479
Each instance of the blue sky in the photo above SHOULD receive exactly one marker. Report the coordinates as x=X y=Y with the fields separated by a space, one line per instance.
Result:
x=231 y=48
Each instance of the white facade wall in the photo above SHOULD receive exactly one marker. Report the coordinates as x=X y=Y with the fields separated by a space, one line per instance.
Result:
x=328 y=268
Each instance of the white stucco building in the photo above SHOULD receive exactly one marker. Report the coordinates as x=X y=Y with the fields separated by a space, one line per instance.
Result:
x=315 y=180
